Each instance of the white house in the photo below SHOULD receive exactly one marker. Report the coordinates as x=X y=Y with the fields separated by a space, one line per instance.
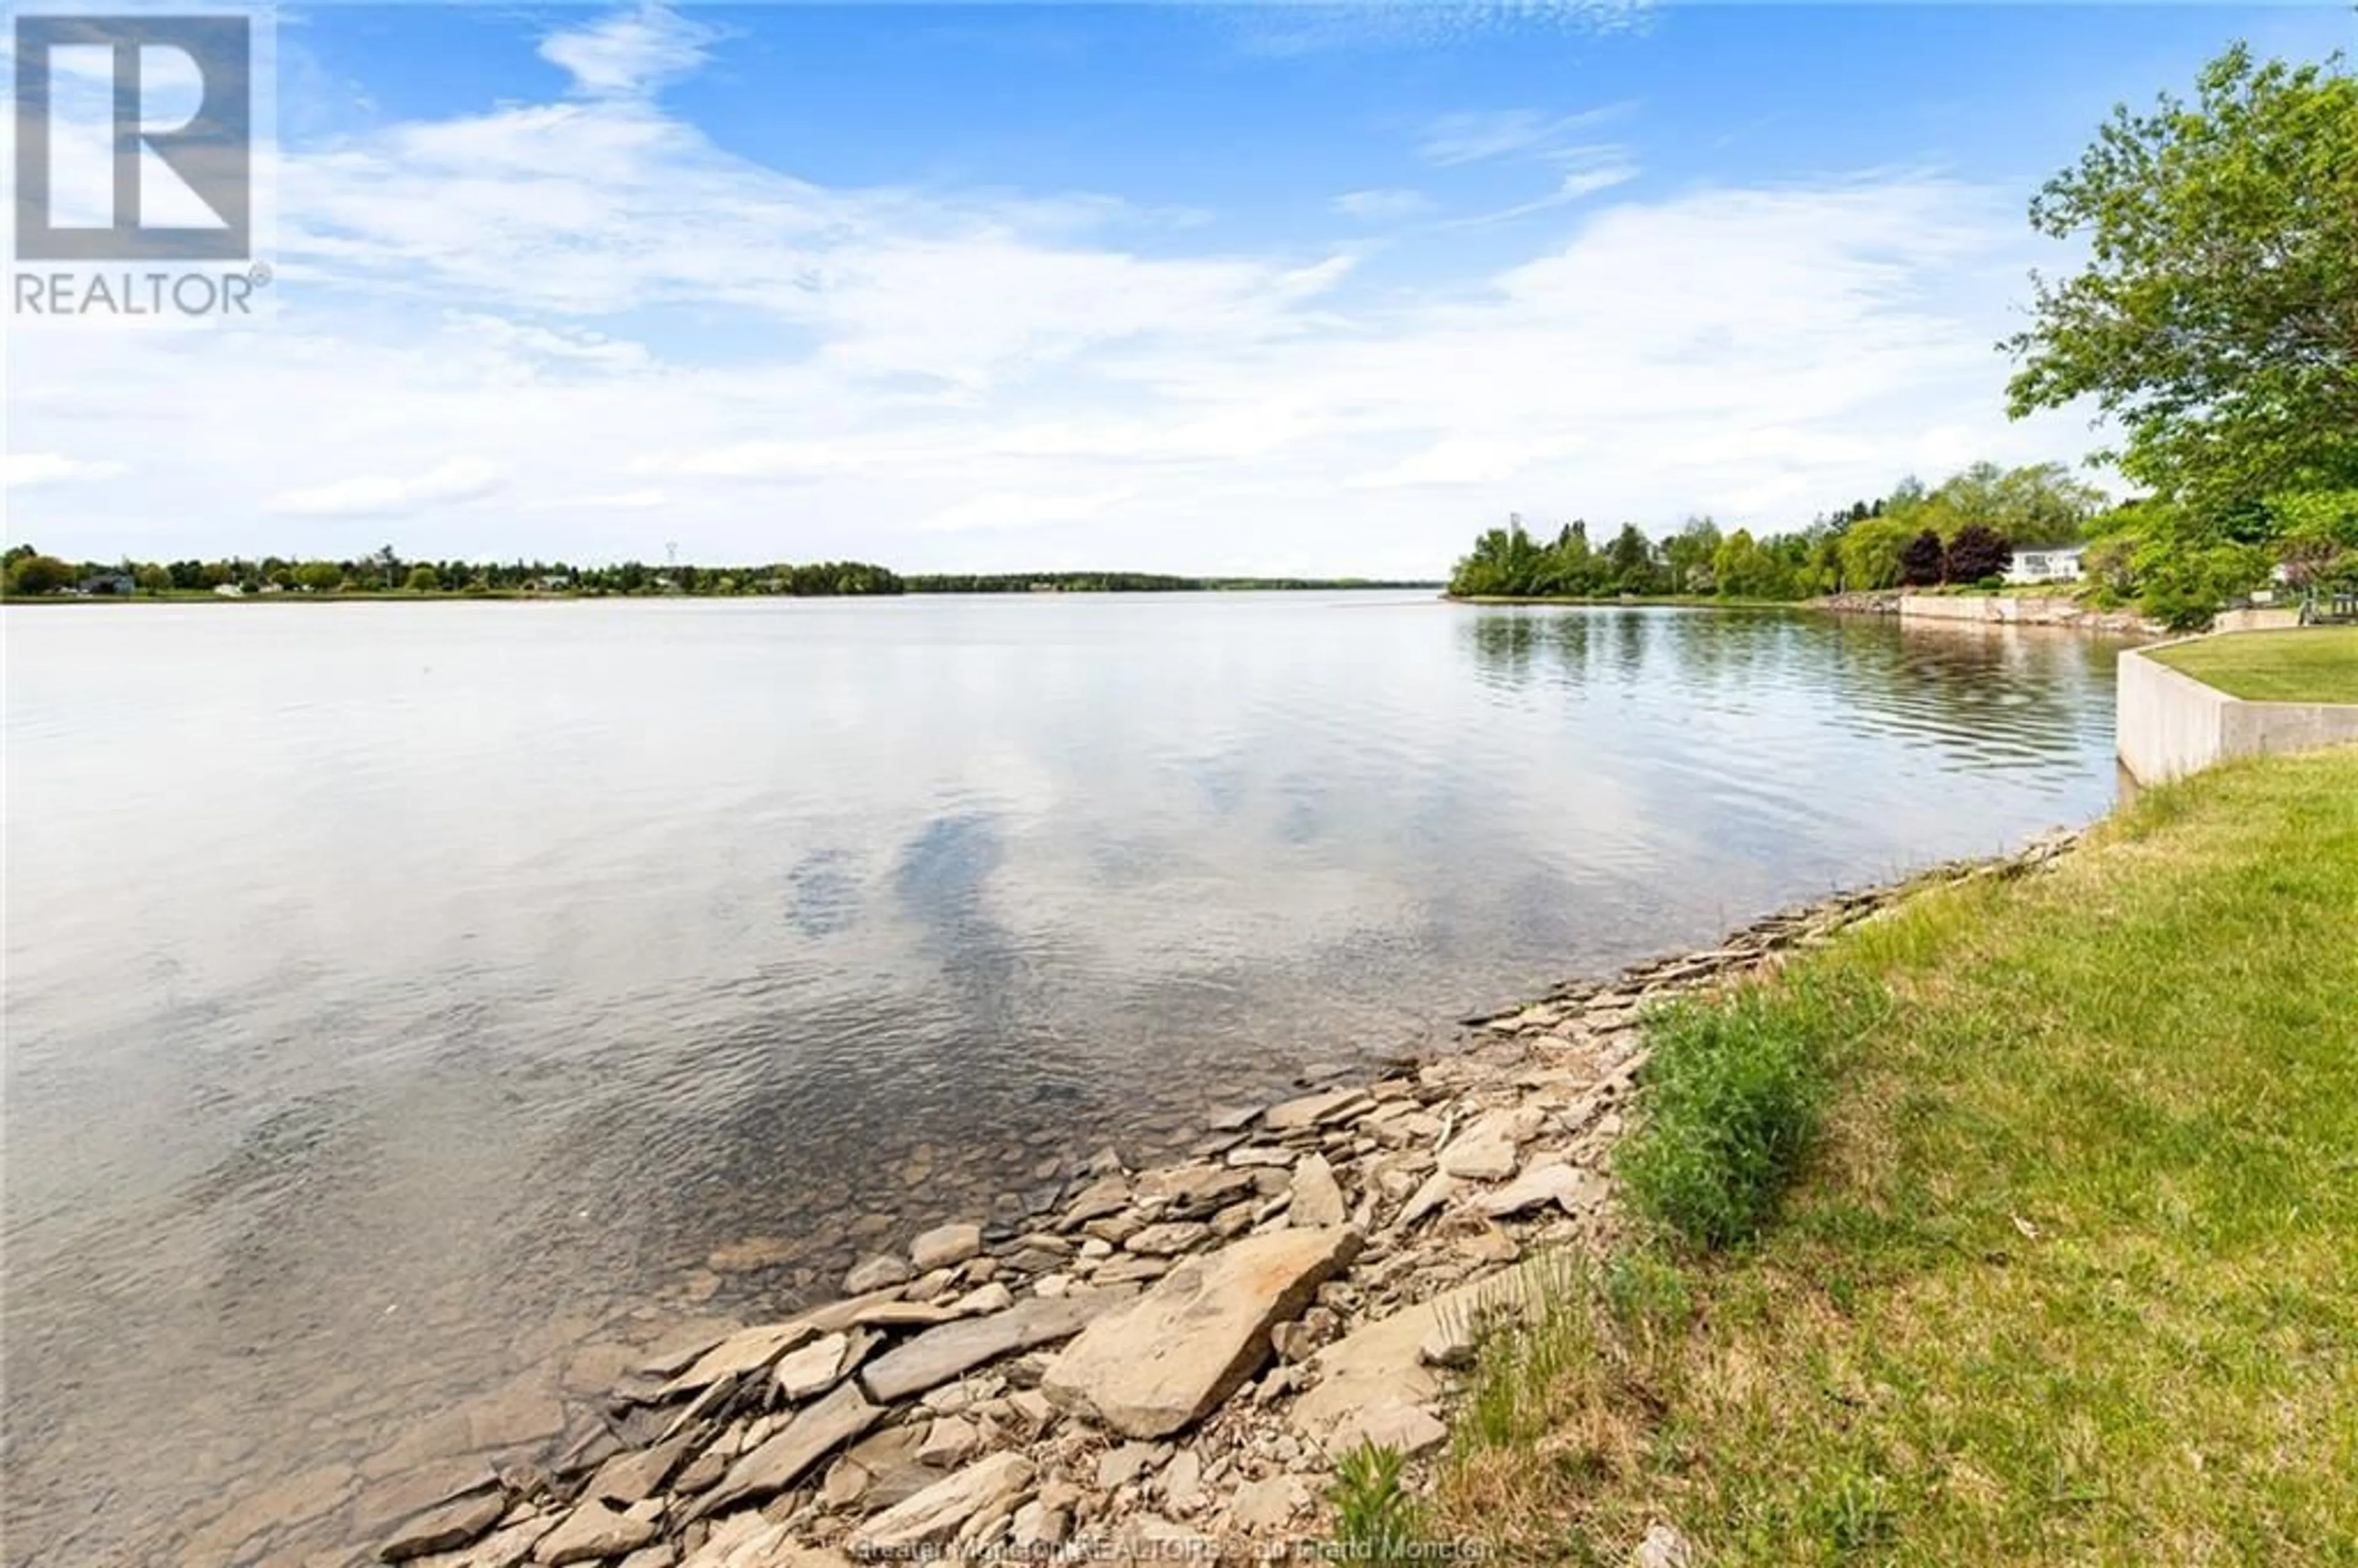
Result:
x=2060 y=564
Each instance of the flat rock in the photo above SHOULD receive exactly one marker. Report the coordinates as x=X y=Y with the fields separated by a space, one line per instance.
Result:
x=1130 y=1270
x=877 y=1273
x=1550 y=1182
x=1163 y=1361
x=1311 y=1110
x=1437 y=1189
x=1169 y=1238
x=1107 y=1194
x=444 y=1528
x=507 y=1547
x=413 y=1493
x=1265 y=1506
x=940 y=1354
x=945 y=1246
x=627 y=1477
x=747 y=1350
x=1183 y=1480
x=936 y=1513
x=1378 y=1366
x=1407 y=1429
x=951 y=1441
x=1484 y=1151
x=591 y=1531
x=809 y=1437
x=1317 y=1197
x=1120 y=1466
x=814 y=1369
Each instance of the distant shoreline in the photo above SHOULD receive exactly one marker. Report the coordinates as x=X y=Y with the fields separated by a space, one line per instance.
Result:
x=568 y=596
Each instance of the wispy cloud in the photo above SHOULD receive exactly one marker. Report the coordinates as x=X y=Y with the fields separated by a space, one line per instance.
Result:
x=628 y=52
x=384 y=496
x=1383 y=205
x=1473 y=135
x=24 y=471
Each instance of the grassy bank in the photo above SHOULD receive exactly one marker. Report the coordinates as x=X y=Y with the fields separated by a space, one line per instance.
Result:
x=2314 y=664
x=2019 y=1226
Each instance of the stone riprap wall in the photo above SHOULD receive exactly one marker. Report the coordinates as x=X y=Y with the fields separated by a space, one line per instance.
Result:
x=2169 y=724
x=1165 y=1364
x=2276 y=618
x=2028 y=609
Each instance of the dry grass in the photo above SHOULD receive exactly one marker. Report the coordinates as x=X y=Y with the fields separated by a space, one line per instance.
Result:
x=2070 y=1274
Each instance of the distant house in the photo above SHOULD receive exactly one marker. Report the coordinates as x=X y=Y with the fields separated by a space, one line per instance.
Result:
x=229 y=590
x=108 y=582
x=2061 y=564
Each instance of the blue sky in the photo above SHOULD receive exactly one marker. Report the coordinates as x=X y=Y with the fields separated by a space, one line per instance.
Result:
x=1259 y=288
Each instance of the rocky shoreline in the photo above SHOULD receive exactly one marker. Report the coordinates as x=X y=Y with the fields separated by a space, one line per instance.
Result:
x=1166 y=1364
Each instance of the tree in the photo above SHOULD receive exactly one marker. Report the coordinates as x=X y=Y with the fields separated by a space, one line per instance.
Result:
x=33 y=572
x=1743 y=568
x=421 y=579
x=1630 y=559
x=1921 y=561
x=1689 y=554
x=319 y=577
x=1870 y=550
x=2218 y=320
x=1976 y=553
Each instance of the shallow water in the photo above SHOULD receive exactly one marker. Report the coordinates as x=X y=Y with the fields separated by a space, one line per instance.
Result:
x=408 y=1001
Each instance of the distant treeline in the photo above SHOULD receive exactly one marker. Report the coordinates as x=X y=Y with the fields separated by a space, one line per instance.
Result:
x=1962 y=531
x=31 y=574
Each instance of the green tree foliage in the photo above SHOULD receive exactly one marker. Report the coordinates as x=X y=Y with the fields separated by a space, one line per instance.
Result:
x=2218 y=320
x=1688 y=555
x=421 y=579
x=30 y=572
x=1508 y=562
x=1869 y=551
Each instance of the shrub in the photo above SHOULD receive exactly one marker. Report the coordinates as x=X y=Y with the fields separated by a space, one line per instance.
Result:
x=1992 y=581
x=1732 y=1095
x=1920 y=562
x=1976 y=553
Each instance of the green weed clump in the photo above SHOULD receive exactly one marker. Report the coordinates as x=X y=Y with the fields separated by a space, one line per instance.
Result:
x=1734 y=1093
x=1376 y=1518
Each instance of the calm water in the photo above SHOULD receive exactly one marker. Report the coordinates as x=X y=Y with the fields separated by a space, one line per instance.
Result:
x=405 y=1002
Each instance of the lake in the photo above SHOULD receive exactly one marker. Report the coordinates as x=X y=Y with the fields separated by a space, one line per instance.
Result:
x=408 y=1004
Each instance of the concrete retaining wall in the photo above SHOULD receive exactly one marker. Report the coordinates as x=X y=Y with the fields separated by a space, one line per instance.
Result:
x=2168 y=725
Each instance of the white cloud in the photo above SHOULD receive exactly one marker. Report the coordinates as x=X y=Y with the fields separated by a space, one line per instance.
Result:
x=1471 y=136
x=382 y=495
x=22 y=470
x=1003 y=511
x=628 y=52
x=1382 y=206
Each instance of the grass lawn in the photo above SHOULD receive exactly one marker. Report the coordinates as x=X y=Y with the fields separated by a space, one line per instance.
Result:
x=2068 y=1269
x=2315 y=664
